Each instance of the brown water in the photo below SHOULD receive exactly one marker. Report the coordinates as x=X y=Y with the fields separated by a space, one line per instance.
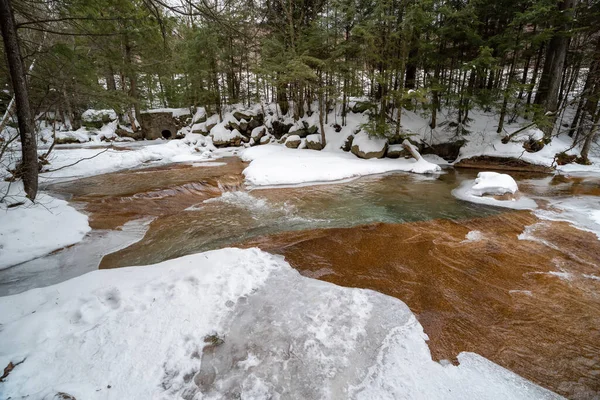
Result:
x=532 y=306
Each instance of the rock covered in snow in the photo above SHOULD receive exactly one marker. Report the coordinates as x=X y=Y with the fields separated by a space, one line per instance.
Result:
x=293 y=141
x=493 y=183
x=490 y=185
x=103 y=116
x=313 y=142
x=257 y=133
x=223 y=137
x=367 y=146
x=397 y=151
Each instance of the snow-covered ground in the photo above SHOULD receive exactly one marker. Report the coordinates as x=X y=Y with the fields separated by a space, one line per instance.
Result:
x=228 y=323
x=278 y=165
x=36 y=229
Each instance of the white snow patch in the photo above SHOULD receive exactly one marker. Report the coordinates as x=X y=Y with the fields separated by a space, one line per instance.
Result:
x=473 y=236
x=582 y=212
x=35 y=229
x=493 y=183
x=278 y=165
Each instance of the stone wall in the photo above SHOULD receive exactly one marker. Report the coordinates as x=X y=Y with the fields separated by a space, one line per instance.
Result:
x=158 y=125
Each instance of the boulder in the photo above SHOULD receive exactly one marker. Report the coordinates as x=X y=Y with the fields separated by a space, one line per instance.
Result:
x=397 y=151
x=258 y=132
x=347 y=145
x=280 y=129
x=366 y=146
x=313 y=142
x=222 y=137
x=293 y=141
x=254 y=123
x=265 y=139
x=125 y=133
x=448 y=151
x=362 y=106
x=300 y=132
x=240 y=116
x=312 y=130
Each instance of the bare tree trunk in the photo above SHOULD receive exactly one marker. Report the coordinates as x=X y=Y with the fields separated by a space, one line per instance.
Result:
x=19 y=82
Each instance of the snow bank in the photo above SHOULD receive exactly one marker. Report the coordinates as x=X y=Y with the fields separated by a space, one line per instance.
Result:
x=35 y=229
x=162 y=331
x=493 y=183
x=221 y=134
x=278 y=165
x=193 y=147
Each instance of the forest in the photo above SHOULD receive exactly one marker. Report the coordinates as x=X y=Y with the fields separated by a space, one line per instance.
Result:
x=300 y=199
x=535 y=60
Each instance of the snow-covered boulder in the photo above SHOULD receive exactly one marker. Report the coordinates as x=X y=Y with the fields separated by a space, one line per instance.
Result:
x=257 y=133
x=78 y=136
x=347 y=143
x=367 y=146
x=313 y=142
x=293 y=141
x=222 y=137
x=493 y=183
x=494 y=189
x=397 y=151
x=103 y=116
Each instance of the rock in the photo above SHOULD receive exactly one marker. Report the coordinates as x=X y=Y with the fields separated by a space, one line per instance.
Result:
x=222 y=137
x=293 y=141
x=280 y=129
x=313 y=142
x=258 y=132
x=265 y=139
x=533 y=146
x=448 y=151
x=243 y=128
x=312 y=130
x=365 y=146
x=347 y=146
x=210 y=126
x=240 y=116
x=502 y=164
x=397 y=151
x=300 y=132
x=337 y=127
x=66 y=140
x=125 y=133
x=362 y=106
x=254 y=123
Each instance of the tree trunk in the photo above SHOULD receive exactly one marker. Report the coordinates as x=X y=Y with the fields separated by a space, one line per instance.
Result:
x=29 y=164
x=547 y=95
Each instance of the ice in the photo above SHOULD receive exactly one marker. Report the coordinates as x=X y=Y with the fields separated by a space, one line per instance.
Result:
x=229 y=323
x=583 y=212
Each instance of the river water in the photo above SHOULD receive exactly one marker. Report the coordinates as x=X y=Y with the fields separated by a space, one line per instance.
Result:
x=521 y=291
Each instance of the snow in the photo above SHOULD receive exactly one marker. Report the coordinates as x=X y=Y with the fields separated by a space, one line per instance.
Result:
x=314 y=138
x=369 y=144
x=221 y=134
x=473 y=236
x=97 y=115
x=493 y=183
x=257 y=131
x=176 y=112
x=278 y=165
x=35 y=229
x=193 y=147
x=162 y=331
